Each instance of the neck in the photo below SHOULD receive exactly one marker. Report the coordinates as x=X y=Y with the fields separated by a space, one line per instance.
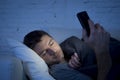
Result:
x=61 y=61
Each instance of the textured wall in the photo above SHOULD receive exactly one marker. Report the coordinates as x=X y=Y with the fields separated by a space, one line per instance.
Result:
x=58 y=17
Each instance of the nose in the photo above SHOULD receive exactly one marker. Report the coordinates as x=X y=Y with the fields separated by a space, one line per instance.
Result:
x=53 y=48
x=51 y=52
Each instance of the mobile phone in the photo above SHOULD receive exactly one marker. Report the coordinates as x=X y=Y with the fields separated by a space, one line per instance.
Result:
x=83 y=19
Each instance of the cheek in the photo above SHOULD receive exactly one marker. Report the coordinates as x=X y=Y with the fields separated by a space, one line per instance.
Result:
x=58 y=48
x=56 y=45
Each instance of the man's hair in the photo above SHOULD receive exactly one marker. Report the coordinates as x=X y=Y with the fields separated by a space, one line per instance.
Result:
x=32 y=38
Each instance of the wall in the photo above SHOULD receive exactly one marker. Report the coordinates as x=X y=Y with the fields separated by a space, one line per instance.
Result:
x=57 y=17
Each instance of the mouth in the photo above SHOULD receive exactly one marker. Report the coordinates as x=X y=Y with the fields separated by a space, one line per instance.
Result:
x=57 y=54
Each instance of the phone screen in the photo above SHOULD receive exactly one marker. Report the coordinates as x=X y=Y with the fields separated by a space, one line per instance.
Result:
x=83 y=19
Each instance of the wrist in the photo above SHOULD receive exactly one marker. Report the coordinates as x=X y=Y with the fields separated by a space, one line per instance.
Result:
x=100 y=50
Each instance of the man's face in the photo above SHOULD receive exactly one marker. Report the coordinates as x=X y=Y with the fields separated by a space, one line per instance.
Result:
x=49 y=50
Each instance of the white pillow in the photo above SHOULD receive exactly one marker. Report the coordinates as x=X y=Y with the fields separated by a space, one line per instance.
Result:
x=34 y=65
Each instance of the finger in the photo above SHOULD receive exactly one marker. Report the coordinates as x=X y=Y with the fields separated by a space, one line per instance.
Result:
x=108 y=34
x=74 y=64
x=84 y=34
x=76 y=55
x=102 y=28
x=99 y=27
x=76 y=60
x=70 y=64
x=91 y=25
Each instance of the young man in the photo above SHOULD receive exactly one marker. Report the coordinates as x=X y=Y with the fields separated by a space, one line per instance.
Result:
x=60 y=68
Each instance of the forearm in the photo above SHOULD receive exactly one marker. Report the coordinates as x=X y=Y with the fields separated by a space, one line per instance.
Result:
x=104 y=63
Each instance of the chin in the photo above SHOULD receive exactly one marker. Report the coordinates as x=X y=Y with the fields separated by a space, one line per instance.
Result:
x=53 y=63
x=57 y=62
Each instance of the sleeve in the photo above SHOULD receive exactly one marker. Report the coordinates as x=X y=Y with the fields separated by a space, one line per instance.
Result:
x=63 y=72
x=115 y=50
x=85 y=53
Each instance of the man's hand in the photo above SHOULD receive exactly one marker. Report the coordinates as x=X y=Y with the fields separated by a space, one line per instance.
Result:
x=99 y=41
x=74 y=62
x=99 y=38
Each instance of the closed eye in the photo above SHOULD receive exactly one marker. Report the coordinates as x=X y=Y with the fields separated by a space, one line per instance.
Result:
x=43 y=53
x=51 y=42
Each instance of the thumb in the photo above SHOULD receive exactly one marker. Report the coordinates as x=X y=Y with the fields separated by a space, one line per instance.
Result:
x=84 y=35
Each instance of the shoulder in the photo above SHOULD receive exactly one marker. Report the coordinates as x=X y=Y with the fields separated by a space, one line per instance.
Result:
x=70 y=39
x=63 y=72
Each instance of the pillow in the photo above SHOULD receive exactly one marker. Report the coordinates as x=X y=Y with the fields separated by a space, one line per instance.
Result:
x=34 y=65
